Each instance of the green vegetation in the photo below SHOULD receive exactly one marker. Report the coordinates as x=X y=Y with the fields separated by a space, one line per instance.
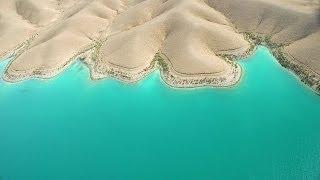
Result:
x=261 y=40
x=228 y=57
x=97 y=46
x=158 y=58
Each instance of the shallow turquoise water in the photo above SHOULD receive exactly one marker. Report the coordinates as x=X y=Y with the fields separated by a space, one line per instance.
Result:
x=268 y=127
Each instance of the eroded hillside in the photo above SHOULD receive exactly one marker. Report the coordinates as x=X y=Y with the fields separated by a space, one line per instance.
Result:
x=194 y=42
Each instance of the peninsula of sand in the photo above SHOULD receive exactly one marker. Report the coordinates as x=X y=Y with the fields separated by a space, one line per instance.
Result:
x=192 y=42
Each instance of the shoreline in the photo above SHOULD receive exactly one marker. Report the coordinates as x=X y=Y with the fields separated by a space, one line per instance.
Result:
x=168 y=74
x=305 y=75
x=219 y=37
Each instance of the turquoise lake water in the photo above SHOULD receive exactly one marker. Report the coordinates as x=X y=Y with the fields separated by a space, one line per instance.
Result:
x=69 y=127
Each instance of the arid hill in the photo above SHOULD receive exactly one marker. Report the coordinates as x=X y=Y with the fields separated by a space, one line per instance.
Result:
x=193 y=42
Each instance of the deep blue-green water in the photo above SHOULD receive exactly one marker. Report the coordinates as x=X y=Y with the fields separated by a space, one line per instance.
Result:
x=69 y=127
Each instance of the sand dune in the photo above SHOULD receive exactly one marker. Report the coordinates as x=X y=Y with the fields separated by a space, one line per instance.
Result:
x=189 y=40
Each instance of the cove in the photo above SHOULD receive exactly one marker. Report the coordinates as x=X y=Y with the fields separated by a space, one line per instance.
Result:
x=69 y=127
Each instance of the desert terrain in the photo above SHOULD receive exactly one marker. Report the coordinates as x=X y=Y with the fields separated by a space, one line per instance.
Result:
x=193 y=42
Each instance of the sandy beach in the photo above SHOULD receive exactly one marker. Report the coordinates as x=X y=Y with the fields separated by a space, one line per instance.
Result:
x=193 y=43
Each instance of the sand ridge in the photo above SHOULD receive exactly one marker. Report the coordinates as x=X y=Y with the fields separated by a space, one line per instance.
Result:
x=191 y=41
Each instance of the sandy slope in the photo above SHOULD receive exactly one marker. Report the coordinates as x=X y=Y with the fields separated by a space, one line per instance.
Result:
x=294 y=25
x=120 y=38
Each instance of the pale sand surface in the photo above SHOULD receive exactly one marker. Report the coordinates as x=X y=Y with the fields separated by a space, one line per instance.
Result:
x=120 y=38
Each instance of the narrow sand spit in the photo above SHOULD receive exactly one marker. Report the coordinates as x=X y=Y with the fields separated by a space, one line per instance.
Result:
x=193 y=42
